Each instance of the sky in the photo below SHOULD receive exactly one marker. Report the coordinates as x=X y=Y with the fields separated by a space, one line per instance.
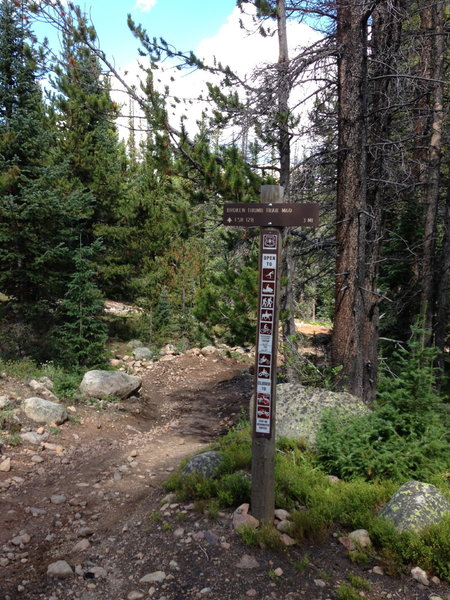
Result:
x=209 y=27
x=182 y=23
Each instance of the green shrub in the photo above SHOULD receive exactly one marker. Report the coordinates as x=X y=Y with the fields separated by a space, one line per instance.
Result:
x=437 y=537
x=405 y=437
x=429 y=549
x=234 y=489
x=266 y=536
x=358 y=582
x=21 y=369
x=347 y=592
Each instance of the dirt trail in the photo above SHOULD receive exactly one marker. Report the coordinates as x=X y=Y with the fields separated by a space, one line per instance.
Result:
x=92 y=497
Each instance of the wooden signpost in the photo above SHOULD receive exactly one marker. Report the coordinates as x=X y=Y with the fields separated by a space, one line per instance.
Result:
x=271 y=215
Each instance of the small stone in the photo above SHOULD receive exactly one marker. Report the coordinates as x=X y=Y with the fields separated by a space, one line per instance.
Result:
x=247 y=562
x=97 y=572
x=58 y=499
x=287 y=540
x=155 y=577
x=434 y=597
x=420 y=575
x=436 y=580
x=378 y=570
x=179 y=532
x=361 y=538
x=347 y=543
x=4 y=402
x=174 y=565
x=135 y=595
x=205 y=590
x=251 y=593
x=242 y=517
x=5 y=465
x=4 y=562
x=168 y=499
x=16 y=541
x=37 y=459
x=59 y=569
x=281 y=514
x=333 y=479
x=82 y=545
x=319 y=583
x=34 y=438
x=211 y=538
x=278 y=571
x=284 y=526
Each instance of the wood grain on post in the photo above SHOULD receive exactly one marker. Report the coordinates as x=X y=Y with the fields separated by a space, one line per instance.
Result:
x=263 y=447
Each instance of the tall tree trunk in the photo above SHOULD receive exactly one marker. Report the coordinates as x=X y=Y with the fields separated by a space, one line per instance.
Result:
x=349 y=349
x=443 y=288
x=284 y=151
x=433 y=31
x=385 y=44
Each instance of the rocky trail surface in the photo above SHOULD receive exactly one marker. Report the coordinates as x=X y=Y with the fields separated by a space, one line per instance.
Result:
x=83 y=515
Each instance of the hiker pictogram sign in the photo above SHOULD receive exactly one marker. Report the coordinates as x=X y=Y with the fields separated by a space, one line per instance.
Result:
x=270 y=244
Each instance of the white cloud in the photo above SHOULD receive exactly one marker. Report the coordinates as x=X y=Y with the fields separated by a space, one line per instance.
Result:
x=144 y=5
x=232 y=46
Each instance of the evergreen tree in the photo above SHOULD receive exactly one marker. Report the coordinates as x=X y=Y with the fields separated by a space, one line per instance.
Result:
x=81 y=337
x=36 y=222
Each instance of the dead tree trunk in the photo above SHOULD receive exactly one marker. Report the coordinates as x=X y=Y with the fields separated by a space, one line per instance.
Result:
x=433 y=31
x=284 y=150
x=385 y=43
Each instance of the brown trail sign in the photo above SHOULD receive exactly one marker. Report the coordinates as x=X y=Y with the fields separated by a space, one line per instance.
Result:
x=271 y=215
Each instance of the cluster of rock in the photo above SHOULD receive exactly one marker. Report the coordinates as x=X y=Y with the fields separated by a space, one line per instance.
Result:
x=44 y=410
x=141 y=358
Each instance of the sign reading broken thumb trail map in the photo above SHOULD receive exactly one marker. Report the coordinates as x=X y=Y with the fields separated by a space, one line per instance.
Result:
x=271 y=215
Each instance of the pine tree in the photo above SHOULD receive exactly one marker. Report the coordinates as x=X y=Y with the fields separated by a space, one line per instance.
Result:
x=35 y=221
x=81 y=337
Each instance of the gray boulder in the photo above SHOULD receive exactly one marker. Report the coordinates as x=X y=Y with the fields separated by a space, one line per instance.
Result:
x=205 y=464
x=44 y=411
x=143 y=353
x=33 y=438
x=415 y=505
x=300 y=409
x=134 y=344
x=99 y=384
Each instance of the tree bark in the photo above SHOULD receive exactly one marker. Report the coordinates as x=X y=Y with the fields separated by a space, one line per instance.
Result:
x=385 y=43
x=284 y=150
x=433 y=32
x=443 y=288
x=349 y=350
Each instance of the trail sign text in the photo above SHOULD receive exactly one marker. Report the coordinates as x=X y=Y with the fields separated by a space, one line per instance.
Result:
x=271 y=215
